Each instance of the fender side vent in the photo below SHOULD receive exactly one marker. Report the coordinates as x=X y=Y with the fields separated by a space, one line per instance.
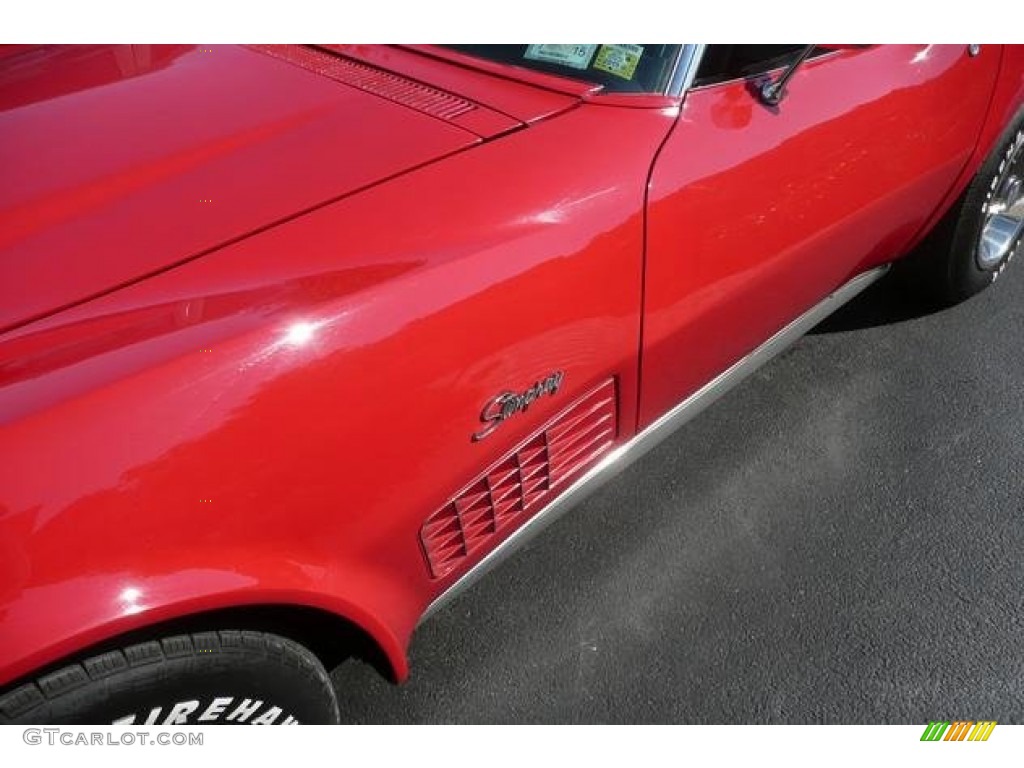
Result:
x=379 y=82
x=519 y=486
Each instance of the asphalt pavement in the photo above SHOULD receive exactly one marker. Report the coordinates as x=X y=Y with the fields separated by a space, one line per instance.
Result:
x=838 y=540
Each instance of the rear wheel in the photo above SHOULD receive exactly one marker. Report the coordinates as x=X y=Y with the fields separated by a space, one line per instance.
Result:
x=977 y=239
x=229 y=677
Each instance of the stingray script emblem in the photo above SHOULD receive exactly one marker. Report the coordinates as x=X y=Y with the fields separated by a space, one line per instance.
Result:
x=508 y=404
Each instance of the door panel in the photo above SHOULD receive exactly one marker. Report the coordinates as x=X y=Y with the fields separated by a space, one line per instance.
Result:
x=758 y=213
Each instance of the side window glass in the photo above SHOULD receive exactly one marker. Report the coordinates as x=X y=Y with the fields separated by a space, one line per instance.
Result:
x=737 y=62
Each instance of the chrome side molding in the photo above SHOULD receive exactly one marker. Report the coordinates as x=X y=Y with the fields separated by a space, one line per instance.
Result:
x=627 y=453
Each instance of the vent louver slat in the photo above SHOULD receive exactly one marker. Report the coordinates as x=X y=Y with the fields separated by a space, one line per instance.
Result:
x=388 y=85
x=519 y=485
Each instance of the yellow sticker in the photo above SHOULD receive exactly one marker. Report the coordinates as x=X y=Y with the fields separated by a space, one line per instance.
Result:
x=619 y=60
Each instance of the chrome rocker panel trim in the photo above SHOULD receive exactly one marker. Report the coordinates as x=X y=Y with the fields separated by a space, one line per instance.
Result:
x=626 y=454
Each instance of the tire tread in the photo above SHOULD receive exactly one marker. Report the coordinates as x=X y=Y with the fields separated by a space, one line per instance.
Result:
x=22 y=700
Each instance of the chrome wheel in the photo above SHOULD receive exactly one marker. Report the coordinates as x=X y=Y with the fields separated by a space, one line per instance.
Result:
x=1003 y=211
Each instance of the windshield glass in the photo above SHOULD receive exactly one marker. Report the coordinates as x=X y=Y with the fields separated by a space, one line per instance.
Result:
x=623 y=68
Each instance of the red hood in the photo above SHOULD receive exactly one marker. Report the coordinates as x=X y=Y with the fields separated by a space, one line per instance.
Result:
x=121 y=161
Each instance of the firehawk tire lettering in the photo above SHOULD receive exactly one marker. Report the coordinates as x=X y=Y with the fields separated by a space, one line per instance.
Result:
x=216 y=711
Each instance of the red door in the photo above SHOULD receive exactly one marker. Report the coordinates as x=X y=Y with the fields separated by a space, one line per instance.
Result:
x=757 y=213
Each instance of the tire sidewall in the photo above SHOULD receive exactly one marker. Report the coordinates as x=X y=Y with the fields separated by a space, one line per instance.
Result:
x=227 y=677
x=196 y=692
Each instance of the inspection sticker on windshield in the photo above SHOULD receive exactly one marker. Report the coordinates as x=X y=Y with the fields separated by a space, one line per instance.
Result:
x=619 y=60
x=575 y=56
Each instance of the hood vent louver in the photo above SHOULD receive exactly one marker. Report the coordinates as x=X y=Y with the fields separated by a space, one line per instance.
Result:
x=387 y=85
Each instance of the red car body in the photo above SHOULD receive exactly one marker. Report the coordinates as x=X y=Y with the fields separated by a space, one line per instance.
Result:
x=253 y=300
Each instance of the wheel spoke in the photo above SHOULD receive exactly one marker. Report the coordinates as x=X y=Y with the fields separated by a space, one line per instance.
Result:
x=1000 y=234
x=1003 y=222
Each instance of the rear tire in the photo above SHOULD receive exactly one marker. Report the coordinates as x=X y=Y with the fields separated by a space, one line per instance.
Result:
x=976 y=240
x=229 y=677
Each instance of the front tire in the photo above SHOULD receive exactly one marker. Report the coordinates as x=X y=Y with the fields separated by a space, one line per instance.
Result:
x=977 y=239
x=229 y=677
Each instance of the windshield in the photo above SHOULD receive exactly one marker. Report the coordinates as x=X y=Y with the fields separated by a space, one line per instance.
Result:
x=623 y=68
